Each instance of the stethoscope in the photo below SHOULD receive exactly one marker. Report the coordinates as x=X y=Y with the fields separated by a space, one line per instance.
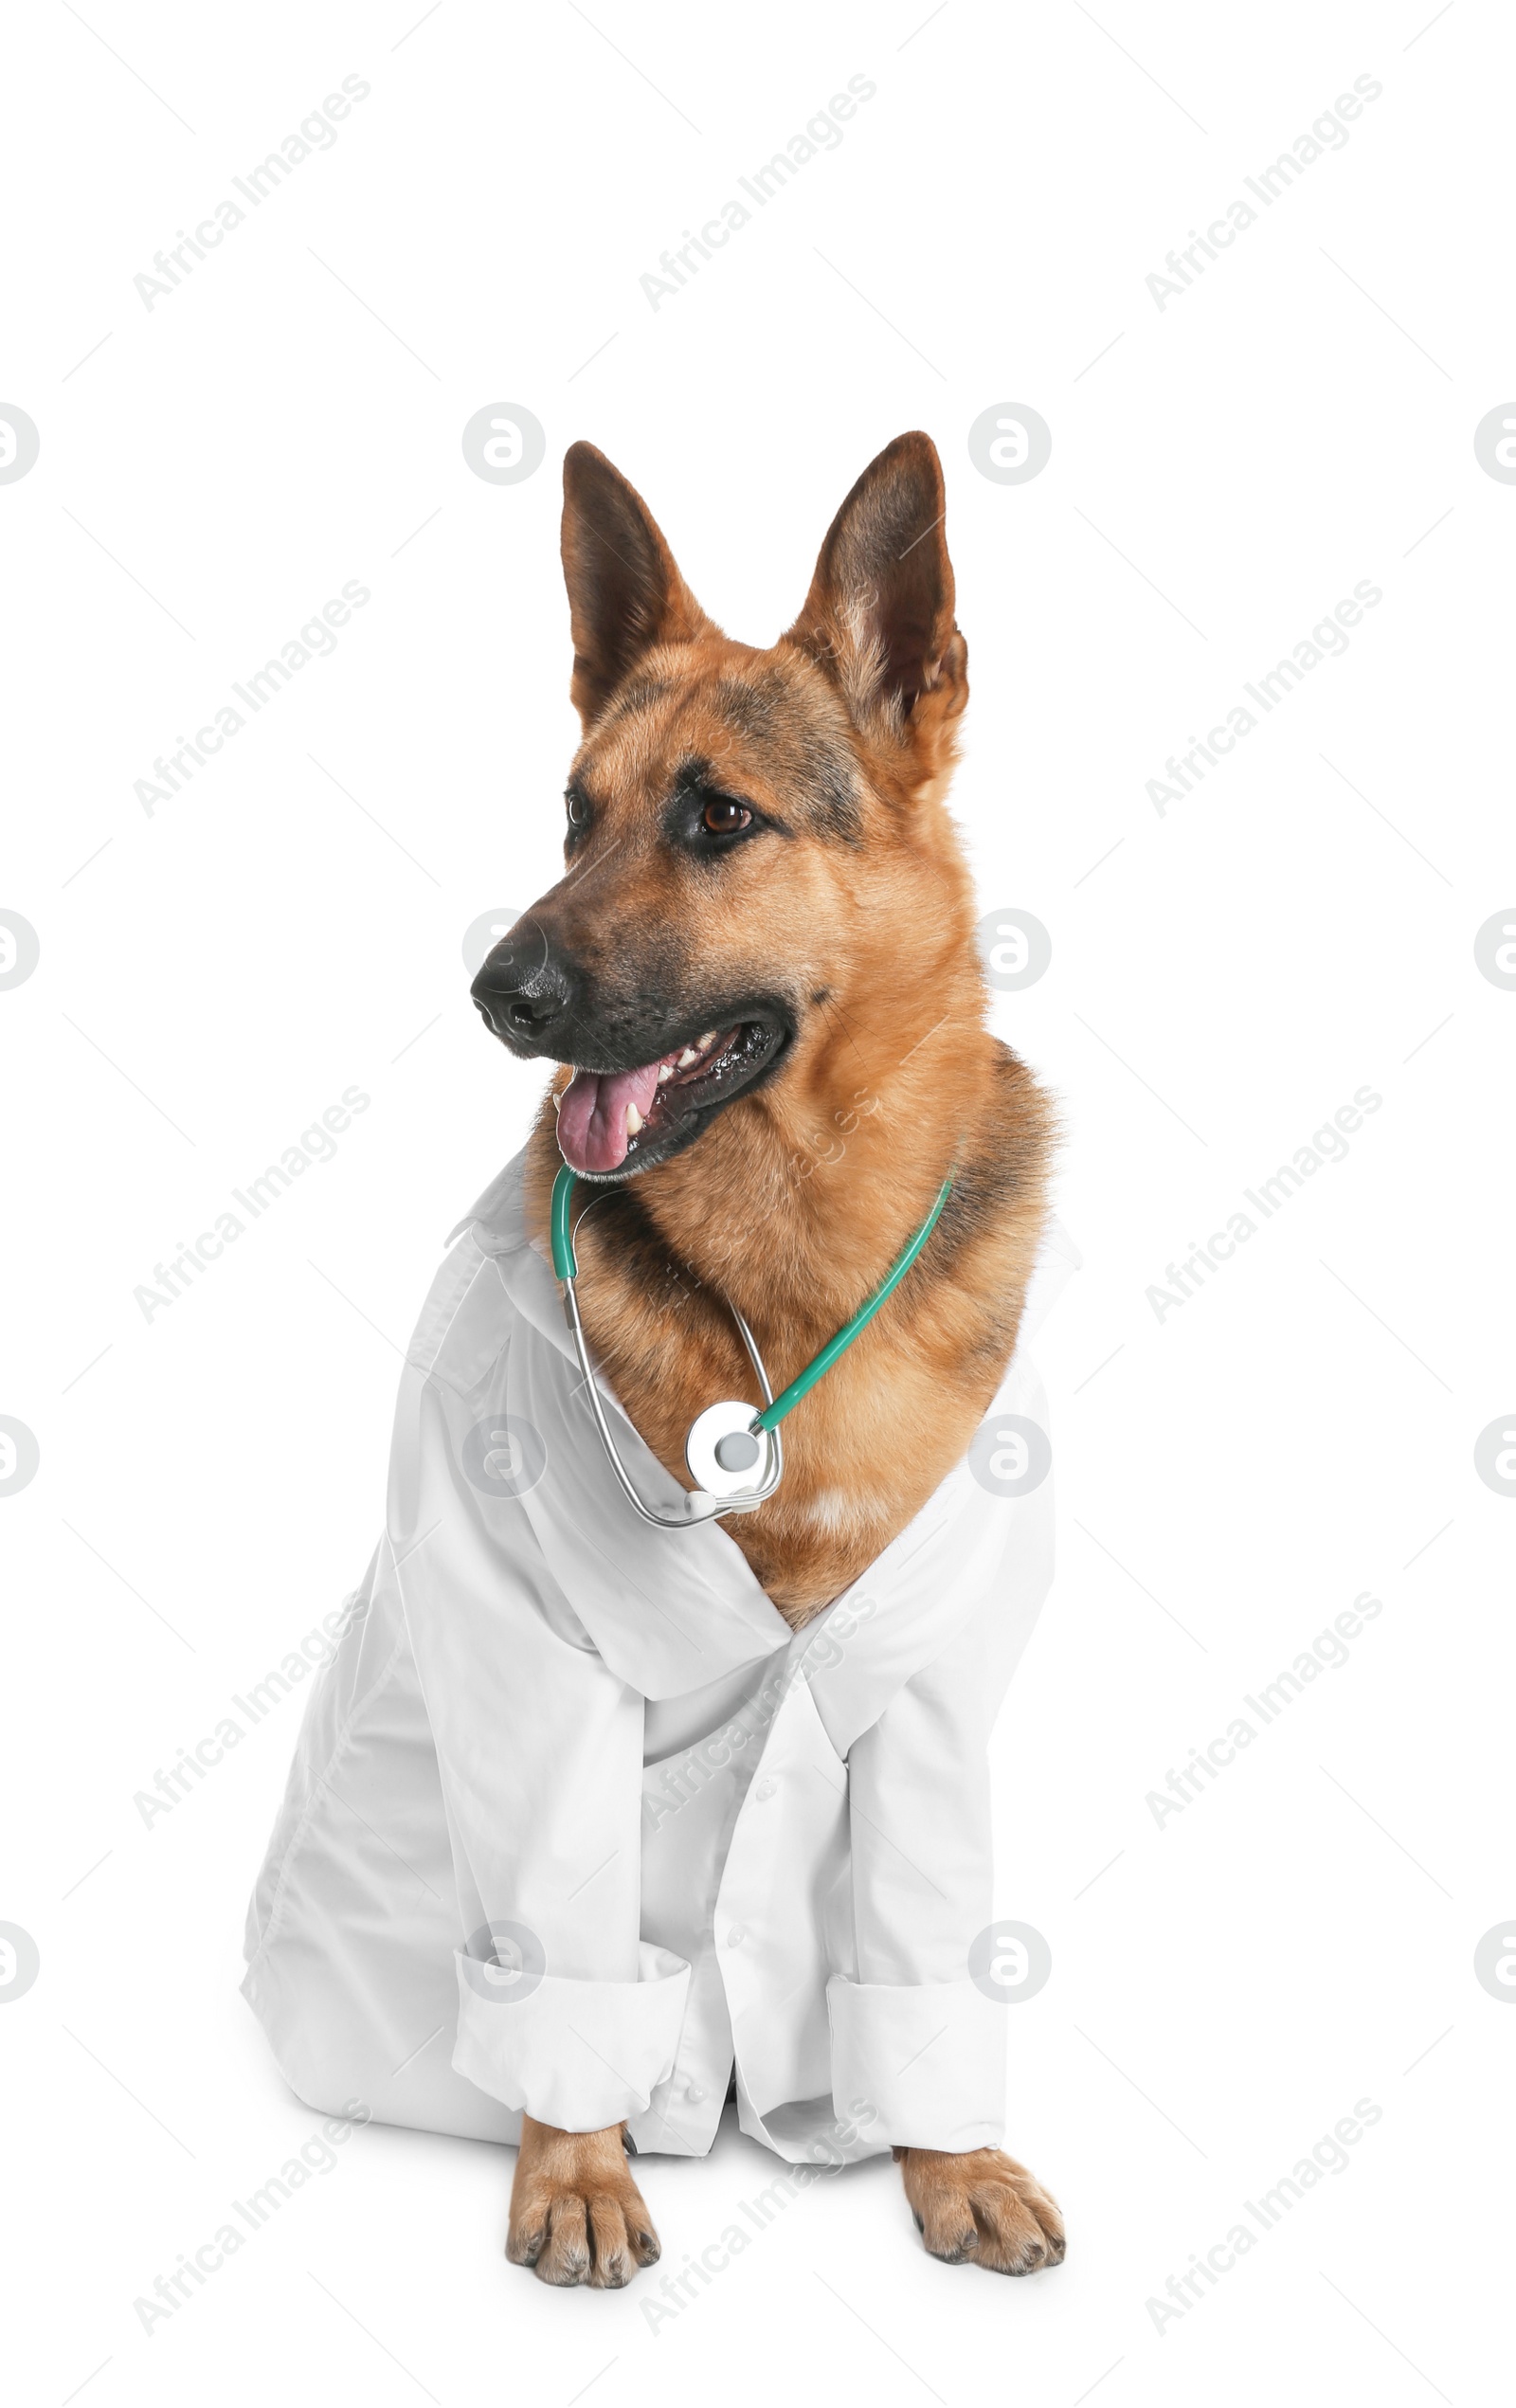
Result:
x=727 y=1441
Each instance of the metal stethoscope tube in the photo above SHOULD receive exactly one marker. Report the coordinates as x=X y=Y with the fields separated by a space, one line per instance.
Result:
x=698 y=1504
x=723 y=1440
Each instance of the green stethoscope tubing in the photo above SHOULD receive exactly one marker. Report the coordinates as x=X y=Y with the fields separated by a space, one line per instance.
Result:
x=566 y=1266
x=788 y=1397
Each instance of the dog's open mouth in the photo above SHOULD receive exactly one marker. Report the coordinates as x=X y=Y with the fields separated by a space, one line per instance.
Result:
x=617 y=1120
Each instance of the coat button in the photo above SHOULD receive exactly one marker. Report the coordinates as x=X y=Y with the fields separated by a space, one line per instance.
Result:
x=693 y=2093
x=765 y=1788
x=736 y=1936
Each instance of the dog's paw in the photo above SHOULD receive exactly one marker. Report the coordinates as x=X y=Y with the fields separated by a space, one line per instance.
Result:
x=982 y=2209
x=576 y=2215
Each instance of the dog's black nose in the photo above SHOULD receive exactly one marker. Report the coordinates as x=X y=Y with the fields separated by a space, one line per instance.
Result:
x=526 y=992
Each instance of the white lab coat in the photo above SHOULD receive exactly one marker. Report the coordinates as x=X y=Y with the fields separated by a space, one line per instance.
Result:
x=700 y=1839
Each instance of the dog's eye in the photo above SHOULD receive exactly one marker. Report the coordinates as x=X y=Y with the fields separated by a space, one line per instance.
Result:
x=722 y=817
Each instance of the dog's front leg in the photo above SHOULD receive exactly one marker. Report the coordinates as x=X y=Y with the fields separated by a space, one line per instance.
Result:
x=978 y=2207
x=576 y=2215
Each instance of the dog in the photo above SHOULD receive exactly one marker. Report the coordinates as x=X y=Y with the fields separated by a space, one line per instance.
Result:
x=759 y=982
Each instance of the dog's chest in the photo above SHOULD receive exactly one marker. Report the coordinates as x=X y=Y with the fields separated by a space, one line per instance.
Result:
x=863 y=1453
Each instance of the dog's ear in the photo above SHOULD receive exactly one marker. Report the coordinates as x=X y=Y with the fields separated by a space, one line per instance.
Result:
x=625 y=594
x=879 y=619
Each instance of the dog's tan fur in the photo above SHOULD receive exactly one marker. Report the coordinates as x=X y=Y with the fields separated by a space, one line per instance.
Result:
x=798 y=1195
x=576 y=2215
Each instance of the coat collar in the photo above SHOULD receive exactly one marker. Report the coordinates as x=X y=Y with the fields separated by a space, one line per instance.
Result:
x=674 y=1609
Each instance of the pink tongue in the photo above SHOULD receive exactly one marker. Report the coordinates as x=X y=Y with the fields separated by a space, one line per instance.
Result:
x=592 y=1114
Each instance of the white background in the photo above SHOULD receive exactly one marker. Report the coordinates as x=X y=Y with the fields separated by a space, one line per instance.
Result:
x=1225 y=1986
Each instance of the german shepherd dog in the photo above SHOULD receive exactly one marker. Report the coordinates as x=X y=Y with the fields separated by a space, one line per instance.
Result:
x=760 y=977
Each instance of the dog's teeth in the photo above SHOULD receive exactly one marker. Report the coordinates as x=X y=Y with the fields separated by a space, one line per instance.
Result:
x=708 y=1039
x=634 y=1120
x=688 y=1056
x=665 y=1073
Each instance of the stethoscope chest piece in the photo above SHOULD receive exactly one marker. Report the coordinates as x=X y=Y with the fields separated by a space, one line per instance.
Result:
x=735 y=1453
x=724 y=1452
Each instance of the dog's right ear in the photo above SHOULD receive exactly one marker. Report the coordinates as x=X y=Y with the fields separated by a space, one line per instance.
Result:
x=626 y=593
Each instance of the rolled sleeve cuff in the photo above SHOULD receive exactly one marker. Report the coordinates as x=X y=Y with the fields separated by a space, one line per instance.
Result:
x=578 y=2054
x=927 y=2058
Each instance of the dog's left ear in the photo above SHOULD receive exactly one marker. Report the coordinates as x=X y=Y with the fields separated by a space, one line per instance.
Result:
x=879 y=619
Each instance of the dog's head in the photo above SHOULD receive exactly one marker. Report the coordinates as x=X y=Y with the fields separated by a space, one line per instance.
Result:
x=757 y=858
